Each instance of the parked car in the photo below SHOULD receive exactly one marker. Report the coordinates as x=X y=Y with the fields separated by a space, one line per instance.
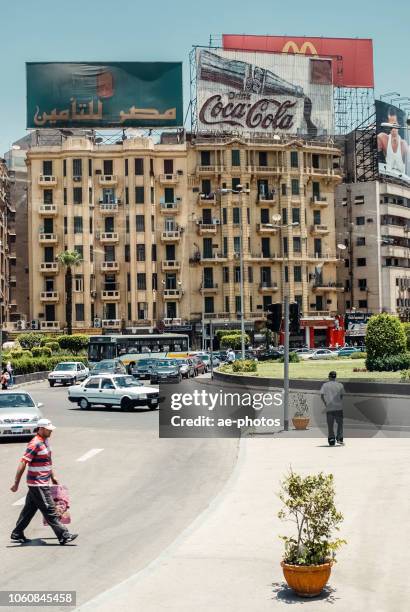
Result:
x=346 y=351
x=303 y=353
x=166 y=370
x=113 y=390
x=109 y=366
x=323 y=354
x=271 y=354
x=143 y=368
x=186 y=367
x=19 y=414
x=200 y=366
x=68 y=373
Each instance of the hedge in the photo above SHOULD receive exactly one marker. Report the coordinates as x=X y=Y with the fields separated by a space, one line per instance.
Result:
x=384 y=336
x=244 y=365
x=233 y=341
x=53 y=346
x=28 y=340
x=227 y=332
x=388 y=363
x=74 y=343
x=293 y=358
x=41 y=351
x=26 y=365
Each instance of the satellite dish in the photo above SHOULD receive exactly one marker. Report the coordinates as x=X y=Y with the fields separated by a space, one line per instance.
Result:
x=276 y=218
x=342 y=247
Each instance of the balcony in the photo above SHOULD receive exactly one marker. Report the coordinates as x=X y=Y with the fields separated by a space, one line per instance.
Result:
x=319 y=286
x=110 y=266
x=319 y=201
x=12 y=279
x=208 y=288
x=210 y=258
x=112 y=323
x=110 y=295
x=171 y=322
x=49 y=210
x=168 y=179
x=330 y=257
x=107 y=179
x=268 y=287
x=266 y=199
x=170 y=208
x=266 y=256
x=173 y=294
x=49 y=267
x=212 y=169
x=47 y=180
x=216 y=315
x=108 y=208
x=395 y=250
x=319 y=230
x=266 y=229
x=50 y=325
x=170 y=264
x=207 y=229
x=171 y=236
x=207 y=199
x=266 y=169
x=48 y=238
x=49 y=296
x=109 y=237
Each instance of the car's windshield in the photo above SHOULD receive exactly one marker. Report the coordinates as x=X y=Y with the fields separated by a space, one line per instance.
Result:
x=104 y=364
x=66 y=366
x=16 y=400
x=126 y=381
x=166 y=364
x=145 y=362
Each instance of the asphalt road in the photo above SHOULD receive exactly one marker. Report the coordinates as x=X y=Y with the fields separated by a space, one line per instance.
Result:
x=132 y=494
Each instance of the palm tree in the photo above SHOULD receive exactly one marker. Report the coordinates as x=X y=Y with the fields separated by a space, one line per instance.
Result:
x=68 y=259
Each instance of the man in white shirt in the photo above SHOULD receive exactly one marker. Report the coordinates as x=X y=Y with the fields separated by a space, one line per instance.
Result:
x=332 y=393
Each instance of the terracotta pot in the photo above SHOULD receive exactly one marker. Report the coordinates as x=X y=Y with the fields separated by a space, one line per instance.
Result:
x=307 y=580
x=300 y=422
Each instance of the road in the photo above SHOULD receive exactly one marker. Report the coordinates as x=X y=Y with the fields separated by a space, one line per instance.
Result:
x=132 y=494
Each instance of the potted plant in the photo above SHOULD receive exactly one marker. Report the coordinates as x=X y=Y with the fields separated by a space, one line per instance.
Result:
x=309 y=555
x=300 y=418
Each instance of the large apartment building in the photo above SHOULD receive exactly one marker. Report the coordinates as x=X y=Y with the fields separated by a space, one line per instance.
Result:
x=163 y=230
x=7 y=246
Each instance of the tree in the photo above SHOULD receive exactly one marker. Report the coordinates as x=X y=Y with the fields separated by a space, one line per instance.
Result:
x=406 y=327
x=233 y=341
x=69 y=259
x=76 y=343
x=385 y=336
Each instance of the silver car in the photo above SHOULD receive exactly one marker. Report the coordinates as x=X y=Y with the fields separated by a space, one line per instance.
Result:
x=323 y=354
x=19 y=414
x=68 y=373
x=113 y=390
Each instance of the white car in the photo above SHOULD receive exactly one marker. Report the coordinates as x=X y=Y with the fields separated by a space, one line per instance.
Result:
x=323 y=354
x=68 y=373
x=304 y=353
x=19 y=414
x=113 y=390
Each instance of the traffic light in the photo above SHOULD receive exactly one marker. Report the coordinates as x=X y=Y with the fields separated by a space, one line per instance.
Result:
x=294 y=318
x=274 y=317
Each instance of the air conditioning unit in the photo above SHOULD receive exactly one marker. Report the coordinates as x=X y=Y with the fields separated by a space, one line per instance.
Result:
x=101 y=201
x=168 y=177
x=217 y=221
x=35 y=324
x=21 y=325
x=77 y=179
x=93 y=293
x=118 y=200
x=97 y=322
x=162 y=200
x=180 y=172
x=98 y=171
x=178 y=199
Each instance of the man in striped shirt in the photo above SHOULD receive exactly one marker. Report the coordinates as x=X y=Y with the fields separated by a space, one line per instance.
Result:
x=37 y=458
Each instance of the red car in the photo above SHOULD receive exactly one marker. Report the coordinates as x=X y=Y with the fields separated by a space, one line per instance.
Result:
x=199 y=365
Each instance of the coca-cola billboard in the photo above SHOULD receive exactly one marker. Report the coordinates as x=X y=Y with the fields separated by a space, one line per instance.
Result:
x=253 y=92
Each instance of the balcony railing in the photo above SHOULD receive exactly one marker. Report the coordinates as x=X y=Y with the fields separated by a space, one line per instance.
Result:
x=48 y=238
x=109 y=237
x=268 y=286
x=319 y=201
x=207 y=199
x=208 y=287
x=211 y=169
x=171 y=235
x=319 y=229
x=108 y=207
x=112 y=323
x=170 y=264
x=170 y=322
x=215 y=257
x=110 y=294
x=169 y=179
x=110 y=266
x=108 y=179
x=48 y=209
x=49 y=296
x=266 y=228
x=49 y=267
x=173 y=293
x=47 y=180
x=207 y=228
x=53 y=325
x=170 y=207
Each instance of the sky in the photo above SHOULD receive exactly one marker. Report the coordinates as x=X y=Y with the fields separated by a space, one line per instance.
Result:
x=160 y=30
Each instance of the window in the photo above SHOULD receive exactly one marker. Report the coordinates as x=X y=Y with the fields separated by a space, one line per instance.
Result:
x=296 y=215
x=206 y=186
x=48 y=196
x=317 y=217
x=90 y=195
x=236 y=157
x=286 y=274
x=152 y=223
x=265 y=246
x=93 y=383
x=65 y=196
x=363 y=304
x=78 y=195
x=284 y=216
x=225 y=246
x=285 y=245
x=359 y=220
x=47 y=167
x=139 y=166
x=78 y=282
x=224 y=216
x=297 y=244
x=208 y=304
x=299 y=301
x=155 y=281
x=108 y=166
x=297 y=274
x=238 y=304
x=315 y=160
x=295 y=187
x=294 y=161
x=263 y=158
x=154 y=252
x=77 y=167
x=79 y=312
x=362 y=283
x=152 y=195
x=361 y=261
x=265 y=215
x=225 y=274
x=360 y=241
x=283 y=189
x=140 y=252
x=168 y=166
x=226 y=303
x=316 y=190
x=169 y=195
x=127 y=252
x=80 y=250
x=65 y=225
x=90 y=167
x=237 y=244
x=235 y=182
x=64 y=167
x=140 y=223
x=237 y=274
x=139 y=195
x=141 y=281
x=78 y=225
x=250 y=274
x=267 y=301
x=91 y=257
x=127 y=195
x=205 y=158
x=91 y=225
x=236 y=218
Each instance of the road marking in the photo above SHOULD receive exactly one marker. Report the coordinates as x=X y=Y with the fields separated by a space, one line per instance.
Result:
x=20 y=502
x=90 y=453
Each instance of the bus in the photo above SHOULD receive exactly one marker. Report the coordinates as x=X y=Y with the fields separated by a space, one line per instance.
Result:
x=130 y=348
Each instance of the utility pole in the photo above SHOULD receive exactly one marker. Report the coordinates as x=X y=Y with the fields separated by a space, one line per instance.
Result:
x=211 y=333
x=242 y=280
x=286 y=368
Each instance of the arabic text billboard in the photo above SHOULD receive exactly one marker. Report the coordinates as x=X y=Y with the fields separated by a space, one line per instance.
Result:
x=392 y=141
x=268 y=93
x=97 y=94
x=352 y=57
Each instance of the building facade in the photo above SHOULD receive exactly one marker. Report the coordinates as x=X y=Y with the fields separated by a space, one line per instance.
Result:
x=7 y=246
x=164 y=229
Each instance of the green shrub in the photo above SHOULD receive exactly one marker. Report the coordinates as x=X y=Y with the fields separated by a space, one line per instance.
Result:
x=75 y=343
x=28 y=340
x=227 y=332
x=46 y=339
x=406 y=328
x=388 y=363
x=26 y=365
x=53 y=346
x=384 y=336
x=39 y=351
x=16 y=353
x=358 y=356
x=293 y=358
x=244 y=365
x=233 y=341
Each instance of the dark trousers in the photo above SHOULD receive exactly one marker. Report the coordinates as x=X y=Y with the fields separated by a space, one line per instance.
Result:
x=332 y=416
x=39 y=498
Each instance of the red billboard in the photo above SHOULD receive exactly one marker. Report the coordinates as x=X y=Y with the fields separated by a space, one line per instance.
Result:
x=352 y=57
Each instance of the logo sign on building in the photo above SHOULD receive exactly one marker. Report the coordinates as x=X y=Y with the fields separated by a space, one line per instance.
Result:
x=265 y=93
x=96 y=95
x=393 y=141
x=352 y=58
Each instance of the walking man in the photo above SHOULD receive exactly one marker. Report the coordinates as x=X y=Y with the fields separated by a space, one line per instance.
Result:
x=39 y=473
x=332 y=393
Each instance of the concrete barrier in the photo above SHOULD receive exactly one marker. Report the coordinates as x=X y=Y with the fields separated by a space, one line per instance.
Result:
x=21 y=379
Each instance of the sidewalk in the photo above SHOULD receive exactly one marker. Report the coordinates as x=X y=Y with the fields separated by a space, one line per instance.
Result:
x=228 y=560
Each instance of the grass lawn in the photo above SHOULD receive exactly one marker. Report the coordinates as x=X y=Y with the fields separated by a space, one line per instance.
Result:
x=319 y=370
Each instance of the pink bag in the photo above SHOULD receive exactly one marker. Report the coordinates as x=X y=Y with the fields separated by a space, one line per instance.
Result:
x=62 y=501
